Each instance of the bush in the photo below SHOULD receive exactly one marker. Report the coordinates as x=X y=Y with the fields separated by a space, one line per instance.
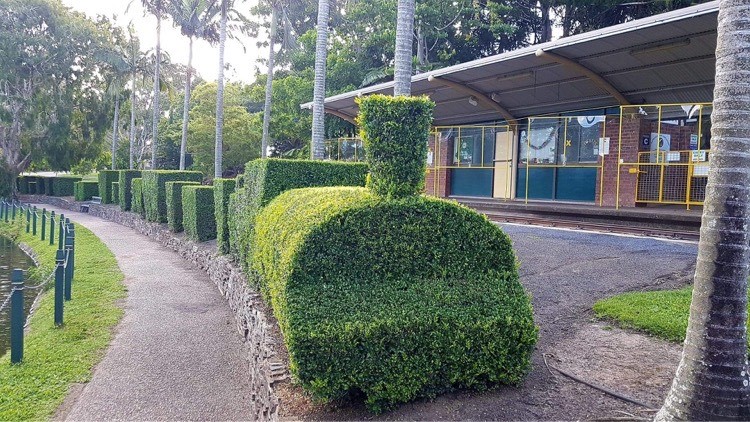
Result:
x=126 y=194
x=222 y=189
x=136 y=187
x=264 y=180
x=22 y=183
x=154 y=190
x=394 y=133
x=394 y=298
x=198 y=212
x=62 y=185
x=174 y=204
x=115 y=193
x=106 y=178
x=40 y=185
x=86 y=189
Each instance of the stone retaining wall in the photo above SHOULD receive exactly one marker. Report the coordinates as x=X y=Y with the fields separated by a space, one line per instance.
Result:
x=268 y=368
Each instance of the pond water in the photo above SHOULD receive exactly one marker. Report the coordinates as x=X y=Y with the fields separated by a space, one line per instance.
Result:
x=11 y=256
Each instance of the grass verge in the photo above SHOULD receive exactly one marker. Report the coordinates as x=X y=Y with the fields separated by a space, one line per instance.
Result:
x=54 y=359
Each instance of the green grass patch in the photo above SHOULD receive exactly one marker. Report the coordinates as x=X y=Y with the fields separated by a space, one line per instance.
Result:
x=56 y=358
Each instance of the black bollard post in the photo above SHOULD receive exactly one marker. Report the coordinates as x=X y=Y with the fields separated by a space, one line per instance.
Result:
x=16 y=317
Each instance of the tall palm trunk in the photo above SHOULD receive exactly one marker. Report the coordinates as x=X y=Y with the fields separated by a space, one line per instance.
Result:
x=219 y=147
x=319 y=91
x=115 y=131
x=404 y=42
x=712 y=381
x=157 y=91
x=132 y=118
x=269 y=85
x=186 y=105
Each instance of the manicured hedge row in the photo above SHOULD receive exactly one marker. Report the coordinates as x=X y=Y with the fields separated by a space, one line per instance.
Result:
x=198 y=212
x=106 y=178
x=41 y=183
x=61 y=185
x=126 y=196
x=266 y=179
x=223 y=188
x=22 y=182
x=136 y=187
x=154 y=190
x=85 y=190
x=174 y=204
x=115 y=192
x=393 y=298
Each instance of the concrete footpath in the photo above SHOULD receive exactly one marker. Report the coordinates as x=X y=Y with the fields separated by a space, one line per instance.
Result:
x=176 y=354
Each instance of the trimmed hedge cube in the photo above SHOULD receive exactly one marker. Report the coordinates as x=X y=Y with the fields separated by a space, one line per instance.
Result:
x=126 y=194
x=223 y=188
x=86 y=189
x=115 y=193
x=22 y=183
x=106 y=178
x=198 y=212
x=154 y=190
x=62 y=185
x=174 y=204
x=136 y=187
x=41 y=183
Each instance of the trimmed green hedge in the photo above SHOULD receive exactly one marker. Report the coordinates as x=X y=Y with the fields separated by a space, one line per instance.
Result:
x=198 y=212
x=223 y=188
x=22 y=182
x=393 y=298
x=86 y=189
x=115 y=192
x=174 y=204
x=264 y=180
x=154 y=190
x=61 y=185
x=394 y=133
x=106 y=178
x=136 y=187
x=126 y=196
x=40 y=185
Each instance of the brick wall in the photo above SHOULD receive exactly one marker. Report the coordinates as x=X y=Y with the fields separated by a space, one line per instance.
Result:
x=632 y=129
x=436 y=173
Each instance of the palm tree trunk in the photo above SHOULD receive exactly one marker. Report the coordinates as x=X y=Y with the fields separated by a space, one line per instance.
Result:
x=157 y=91
x=186 y=105
x=115 y=131
x=319 y=91
x=132 y=119
x=219 y=147
x=269 y=85
x=404 y=42
x=712 y=381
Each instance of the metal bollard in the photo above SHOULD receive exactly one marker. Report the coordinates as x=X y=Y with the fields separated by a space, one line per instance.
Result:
x=44 y=222
x=28 y=219
x=14 y=210
x=33 y=222
x=59 y=287
x=5 y=213
x=68 y=268
x=72 y=235
x=52 y=229
x=62 y=231
x=16 y=317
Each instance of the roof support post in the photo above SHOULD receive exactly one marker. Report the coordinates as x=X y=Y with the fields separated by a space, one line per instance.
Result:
x=480 y=96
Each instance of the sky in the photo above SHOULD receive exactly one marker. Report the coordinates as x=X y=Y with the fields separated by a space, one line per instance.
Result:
x=241 y=61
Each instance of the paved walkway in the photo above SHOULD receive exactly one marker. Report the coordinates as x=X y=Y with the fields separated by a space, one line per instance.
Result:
x=176 y=354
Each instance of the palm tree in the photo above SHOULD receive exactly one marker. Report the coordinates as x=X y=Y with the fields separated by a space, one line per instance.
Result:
x=196 y=19
x=119 y=73
x=404 y=42
x=319 y=91
x=269 y=83
x=713 y=378
x=219 y=147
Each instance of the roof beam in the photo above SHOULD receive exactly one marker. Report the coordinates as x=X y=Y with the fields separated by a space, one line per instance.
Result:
x=480 y=96
x=341 y=115
x=579 y=68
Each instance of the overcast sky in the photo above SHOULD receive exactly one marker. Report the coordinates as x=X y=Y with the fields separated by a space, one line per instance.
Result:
x=242 y=62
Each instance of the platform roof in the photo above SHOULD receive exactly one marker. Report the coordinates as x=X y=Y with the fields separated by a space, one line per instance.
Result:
x=666 y=58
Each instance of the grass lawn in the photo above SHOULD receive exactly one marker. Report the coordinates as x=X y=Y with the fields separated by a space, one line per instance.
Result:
x=54 y=359
x=663 y=313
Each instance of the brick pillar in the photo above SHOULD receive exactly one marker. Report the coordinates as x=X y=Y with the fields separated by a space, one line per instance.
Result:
x=436 y=172
x=633 y=127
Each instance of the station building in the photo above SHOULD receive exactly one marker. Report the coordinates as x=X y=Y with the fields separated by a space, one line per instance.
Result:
x=618 y=117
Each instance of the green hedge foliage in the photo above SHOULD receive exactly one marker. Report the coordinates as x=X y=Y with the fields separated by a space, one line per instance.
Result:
x=126 y=194
x=154 y=190
x=198 y=212
x=223 y=188
x=86 y=189
x=41 y=183
x=174 y=204
x=106 y=178
x=394 y=298
x=136 y=187
x=115 y=193
x=22 y=182
x=264 y=180
x=62 y=185
x=394 y=133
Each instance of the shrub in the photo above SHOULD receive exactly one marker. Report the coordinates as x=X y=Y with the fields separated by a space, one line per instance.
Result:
x=126 y=194
x=198 y=212
x=266 y=179
x=136 y=187
x=222 y=189
x=86 y=189
x=394 y=298
x=62 y=185
x=106 y=178
x=115 y=193
x=174 y=204
x=395 y=127
x=154 y=190
x=40 y=185
x=22 y=183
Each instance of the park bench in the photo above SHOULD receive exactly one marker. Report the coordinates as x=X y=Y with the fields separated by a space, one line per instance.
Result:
x=94 y=200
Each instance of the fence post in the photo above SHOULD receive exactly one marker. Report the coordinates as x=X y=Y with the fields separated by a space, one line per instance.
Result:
x=52 y=229
x=68 y=267
x=62 y=231
x=72 y=233
x=16 y=317
x=59 y=287
x=44 y=222
x=14 y=210
x=33 y=222
x=2 y=209
x=28 y=219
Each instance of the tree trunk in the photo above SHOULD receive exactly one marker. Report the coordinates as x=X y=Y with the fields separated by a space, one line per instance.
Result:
x=712 y=378
x=132 y=118
x=404 y=42
x=115 y=131
x=186 y=106
x=219 y=147
x=269 y=85
x=157 y=90
x=546 y=22
x=317 y=149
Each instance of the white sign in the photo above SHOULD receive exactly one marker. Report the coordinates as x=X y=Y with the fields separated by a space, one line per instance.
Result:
x=429 y=158
x=698 y=156
x=701 y=170
x=673 y=156
x=603 y=146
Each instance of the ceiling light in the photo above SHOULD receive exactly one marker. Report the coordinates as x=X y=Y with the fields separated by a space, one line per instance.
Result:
x=473 y=101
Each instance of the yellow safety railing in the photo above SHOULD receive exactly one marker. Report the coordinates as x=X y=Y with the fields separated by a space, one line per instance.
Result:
x=345 y=149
